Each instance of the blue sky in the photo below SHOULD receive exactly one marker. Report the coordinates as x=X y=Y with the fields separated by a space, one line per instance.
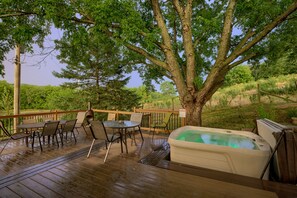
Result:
x=35 y=73
x=37 y=69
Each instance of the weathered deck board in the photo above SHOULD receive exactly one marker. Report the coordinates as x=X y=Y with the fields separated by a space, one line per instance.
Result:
x=23 y=191
x=102 y=181
x=53 y=182
x=39 y=188
x=7 y=193
x=58 y=172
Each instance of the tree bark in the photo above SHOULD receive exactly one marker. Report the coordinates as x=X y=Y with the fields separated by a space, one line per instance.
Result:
x=194 y=114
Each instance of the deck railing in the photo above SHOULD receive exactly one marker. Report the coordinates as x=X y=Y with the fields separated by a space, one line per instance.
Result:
x=149 y=117
x=10 y=120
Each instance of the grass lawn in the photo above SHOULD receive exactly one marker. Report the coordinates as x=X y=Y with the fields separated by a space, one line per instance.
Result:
x=243 y=117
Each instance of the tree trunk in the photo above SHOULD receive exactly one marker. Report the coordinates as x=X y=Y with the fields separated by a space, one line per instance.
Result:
x=194 y=114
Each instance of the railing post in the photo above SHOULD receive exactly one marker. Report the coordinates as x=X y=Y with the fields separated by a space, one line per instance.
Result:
x=183 y=122
x=56 y=114
x=150 y=119
x=89 y=106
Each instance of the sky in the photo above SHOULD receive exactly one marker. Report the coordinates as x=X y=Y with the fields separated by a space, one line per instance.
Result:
x=36 y=69
x=35 y=73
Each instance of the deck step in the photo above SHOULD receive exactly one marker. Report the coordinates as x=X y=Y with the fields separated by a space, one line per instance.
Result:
x=158 y=154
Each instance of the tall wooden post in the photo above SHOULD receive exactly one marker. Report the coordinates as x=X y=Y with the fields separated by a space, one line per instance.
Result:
x=17 y=84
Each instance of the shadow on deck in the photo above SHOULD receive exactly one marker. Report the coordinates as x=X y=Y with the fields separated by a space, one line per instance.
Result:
x=66 y=172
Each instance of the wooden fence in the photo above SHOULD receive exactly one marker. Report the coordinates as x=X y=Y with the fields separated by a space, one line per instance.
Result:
x=150 y=116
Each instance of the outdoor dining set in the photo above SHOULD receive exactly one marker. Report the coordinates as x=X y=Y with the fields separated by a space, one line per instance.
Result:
x=50 y=128
x=109 y=131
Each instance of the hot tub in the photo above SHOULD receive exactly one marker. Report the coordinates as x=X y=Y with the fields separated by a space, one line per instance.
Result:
x=238 y=152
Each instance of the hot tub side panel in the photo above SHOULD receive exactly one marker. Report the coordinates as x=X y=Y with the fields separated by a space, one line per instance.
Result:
x=222 y=158
x=201 y=158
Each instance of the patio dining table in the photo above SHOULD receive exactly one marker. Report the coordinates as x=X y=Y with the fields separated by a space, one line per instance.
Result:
x=122 y=127
x=38 y=125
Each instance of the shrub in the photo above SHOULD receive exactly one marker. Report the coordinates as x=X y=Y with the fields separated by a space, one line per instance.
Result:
x=292 y=113
x=266 y=112
x=240 y=74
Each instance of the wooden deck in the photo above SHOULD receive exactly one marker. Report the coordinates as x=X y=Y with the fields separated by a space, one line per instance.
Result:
x=66 y=172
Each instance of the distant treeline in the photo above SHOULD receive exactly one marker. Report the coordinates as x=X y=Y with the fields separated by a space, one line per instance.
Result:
x=61 y=98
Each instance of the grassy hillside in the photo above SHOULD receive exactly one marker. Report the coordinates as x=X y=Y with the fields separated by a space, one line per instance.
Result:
x=237 y=107
x=243 y=117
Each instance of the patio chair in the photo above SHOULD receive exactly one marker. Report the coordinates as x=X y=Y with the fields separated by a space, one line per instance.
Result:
x=67 y=127
x=99 y=133
x=14 y=136
x=80 y=117
x=50 y=129
x=163 y=124
x=136 y=117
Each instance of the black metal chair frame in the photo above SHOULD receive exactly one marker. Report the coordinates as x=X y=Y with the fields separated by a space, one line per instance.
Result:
x=95 y=127
x=69 y=126
x=163 y=124
x=136 y=117
x=14 y=136
x=49 y=129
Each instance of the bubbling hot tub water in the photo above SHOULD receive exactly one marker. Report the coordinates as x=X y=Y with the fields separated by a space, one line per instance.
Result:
x=229 y=139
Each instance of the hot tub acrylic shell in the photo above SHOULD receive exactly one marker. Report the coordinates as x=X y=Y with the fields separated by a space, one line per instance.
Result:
x=240 y=161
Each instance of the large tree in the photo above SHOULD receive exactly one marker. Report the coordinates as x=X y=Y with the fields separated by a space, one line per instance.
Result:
x=193 y=43
x=95 y=65
x=21 y=24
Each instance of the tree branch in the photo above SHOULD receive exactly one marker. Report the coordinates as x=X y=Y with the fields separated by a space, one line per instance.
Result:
x=247 y=36
x=226 y=34
x=75 y=19
x=171 y=62
x=161 y=24
x=178 y=8
x=160 y=45
x=185 y=14
x=266 y=30
x=166 y=73
x=18 y=13
x=21 y=13
x=147 y=55
x=246 y=58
